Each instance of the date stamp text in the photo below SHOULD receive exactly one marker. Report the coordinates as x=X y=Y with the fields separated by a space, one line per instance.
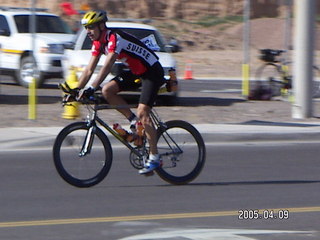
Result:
x=255 y=214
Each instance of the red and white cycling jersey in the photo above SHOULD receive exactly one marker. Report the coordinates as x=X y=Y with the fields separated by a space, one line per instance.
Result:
x=132 y=52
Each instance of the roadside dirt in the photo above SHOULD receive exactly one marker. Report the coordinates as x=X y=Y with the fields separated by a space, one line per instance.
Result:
x=218 y=50
x=213 y=52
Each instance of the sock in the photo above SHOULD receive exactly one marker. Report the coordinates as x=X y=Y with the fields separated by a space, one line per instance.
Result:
x=154 y=157
x=133 y=120
x=132 y=117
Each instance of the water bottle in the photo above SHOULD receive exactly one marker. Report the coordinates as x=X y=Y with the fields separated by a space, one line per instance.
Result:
x=122 y=132
x=140 y=134
x=130 y=137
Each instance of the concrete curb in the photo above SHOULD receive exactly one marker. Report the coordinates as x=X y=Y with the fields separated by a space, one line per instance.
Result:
x=40 y=137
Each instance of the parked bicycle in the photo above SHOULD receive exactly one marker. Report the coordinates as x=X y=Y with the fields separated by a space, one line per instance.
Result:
x=83 y=155
x=276 y=74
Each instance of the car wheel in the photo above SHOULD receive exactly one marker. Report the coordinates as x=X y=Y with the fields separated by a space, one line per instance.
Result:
x=23 y=74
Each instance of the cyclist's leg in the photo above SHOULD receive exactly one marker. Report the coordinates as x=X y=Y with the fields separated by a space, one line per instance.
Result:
x=151 y=83
x=143 y=112
x=153 y=161
x=125 y=81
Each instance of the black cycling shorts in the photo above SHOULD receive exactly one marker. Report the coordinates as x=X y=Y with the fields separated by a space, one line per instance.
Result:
x=150 y=83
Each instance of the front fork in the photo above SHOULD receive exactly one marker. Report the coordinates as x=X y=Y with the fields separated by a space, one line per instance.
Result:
x=88 y=141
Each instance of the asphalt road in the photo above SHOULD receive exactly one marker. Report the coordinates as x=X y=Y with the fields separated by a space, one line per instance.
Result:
x=273 y=178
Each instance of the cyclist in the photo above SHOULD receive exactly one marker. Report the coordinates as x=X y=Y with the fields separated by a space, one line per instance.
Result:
x=142 y=62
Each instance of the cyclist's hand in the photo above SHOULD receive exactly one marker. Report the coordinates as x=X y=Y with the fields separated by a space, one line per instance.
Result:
x=68 y=90
x=71 y=95
x=86 y=93
x=67 y=98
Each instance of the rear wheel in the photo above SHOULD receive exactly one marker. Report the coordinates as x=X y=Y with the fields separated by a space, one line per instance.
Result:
x=272 y=76
x=182 y=151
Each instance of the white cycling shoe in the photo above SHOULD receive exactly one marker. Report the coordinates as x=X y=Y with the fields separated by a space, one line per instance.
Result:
x=152 y=163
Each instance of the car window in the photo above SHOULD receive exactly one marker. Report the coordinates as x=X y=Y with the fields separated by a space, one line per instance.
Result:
x=150 y=37
x=4 y=27
x=45 y=24
x=87 y=44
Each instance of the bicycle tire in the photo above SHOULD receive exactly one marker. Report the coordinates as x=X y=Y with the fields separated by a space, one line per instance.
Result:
x=85 y=171
x=190 y=141
x=315 y=88
x=262 y=74
x=269 y=75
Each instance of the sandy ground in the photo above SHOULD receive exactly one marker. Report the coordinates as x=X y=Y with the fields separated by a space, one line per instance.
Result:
x=223 y=61
x=225 y=64
x=218 y=50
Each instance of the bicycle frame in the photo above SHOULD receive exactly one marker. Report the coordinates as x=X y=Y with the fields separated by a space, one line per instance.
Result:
x=283 y=70
x=92 y=124
x=93 y=119
x=282 y=66
x=173 y=138
x=155 y=119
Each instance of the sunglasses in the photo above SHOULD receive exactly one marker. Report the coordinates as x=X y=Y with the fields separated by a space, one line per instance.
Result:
x=91 y=27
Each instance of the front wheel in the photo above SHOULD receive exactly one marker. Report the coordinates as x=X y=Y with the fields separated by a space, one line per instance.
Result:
x=182 y=151
x=82 y=155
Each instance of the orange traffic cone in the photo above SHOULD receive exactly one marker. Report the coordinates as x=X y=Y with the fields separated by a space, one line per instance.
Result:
x=188 y=71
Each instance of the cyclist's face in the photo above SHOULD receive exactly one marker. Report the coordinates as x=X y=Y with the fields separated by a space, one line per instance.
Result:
x=93 y=32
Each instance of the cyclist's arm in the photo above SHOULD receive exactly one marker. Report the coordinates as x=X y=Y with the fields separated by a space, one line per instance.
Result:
x=88 y=71
x=111 y=57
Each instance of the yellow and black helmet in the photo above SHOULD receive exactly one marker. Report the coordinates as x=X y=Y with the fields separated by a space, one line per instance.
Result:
x=92 y=17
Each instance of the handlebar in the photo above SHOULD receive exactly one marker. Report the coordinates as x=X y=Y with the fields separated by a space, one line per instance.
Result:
x=71 y=95
x=269 y=55
x=275 y=52
x=94 y=99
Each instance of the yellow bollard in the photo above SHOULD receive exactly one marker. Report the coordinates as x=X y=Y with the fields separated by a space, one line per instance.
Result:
x=32 y=99
x=245 y=79
x=71 y=110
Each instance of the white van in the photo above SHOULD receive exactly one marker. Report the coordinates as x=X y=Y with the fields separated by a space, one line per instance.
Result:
x=16 y=57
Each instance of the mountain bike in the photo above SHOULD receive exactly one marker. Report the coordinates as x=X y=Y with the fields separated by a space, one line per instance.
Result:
x=83 y=155
x=276 y=74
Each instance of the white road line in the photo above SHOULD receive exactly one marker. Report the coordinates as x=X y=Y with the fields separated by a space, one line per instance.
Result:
x=208 y=234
